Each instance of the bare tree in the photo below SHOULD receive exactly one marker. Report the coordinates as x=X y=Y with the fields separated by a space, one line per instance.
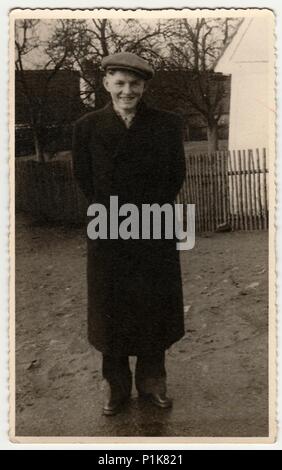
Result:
x=88 y=41
x=27 y=40
x=182 y=45
x=195 y=47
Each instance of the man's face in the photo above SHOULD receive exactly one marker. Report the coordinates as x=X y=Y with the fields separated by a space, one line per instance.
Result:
x=126 y=89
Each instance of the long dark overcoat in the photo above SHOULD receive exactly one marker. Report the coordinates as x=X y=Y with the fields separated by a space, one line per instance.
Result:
x=135 y=303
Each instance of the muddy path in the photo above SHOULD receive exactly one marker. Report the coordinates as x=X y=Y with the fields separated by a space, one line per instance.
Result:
x=217 y=374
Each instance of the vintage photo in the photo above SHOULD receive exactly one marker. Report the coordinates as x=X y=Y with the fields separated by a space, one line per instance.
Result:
x=142 y=191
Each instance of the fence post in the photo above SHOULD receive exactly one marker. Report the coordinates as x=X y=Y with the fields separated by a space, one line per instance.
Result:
x=265 y=189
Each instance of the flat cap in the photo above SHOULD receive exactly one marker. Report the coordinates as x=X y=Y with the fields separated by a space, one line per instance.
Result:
x=128 y=61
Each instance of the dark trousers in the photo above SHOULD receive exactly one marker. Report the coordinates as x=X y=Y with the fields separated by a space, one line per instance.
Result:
x=150 y=373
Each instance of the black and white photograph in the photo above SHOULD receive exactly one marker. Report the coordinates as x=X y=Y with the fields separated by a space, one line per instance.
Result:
x=142 y=293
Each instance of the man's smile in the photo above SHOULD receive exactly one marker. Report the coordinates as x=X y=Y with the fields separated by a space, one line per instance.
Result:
x=127 y=99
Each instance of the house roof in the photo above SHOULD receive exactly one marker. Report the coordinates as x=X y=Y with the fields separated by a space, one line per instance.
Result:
x=230 y=47
x=249 y=44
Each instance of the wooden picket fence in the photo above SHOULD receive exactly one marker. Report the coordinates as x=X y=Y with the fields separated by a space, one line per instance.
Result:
x=226 y=187
x=48 y=192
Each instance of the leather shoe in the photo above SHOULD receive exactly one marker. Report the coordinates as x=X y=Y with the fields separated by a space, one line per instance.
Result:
x=117 y=394
x=158 y=399
x=112 y=406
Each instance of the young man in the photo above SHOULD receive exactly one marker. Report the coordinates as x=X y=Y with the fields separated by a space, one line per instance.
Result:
x=135 y=305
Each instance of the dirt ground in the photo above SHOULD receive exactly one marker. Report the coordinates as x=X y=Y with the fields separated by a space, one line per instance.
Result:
x=217 y=374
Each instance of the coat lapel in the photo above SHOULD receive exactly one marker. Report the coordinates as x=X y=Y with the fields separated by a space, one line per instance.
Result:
x=117 y=138
x=111 y=130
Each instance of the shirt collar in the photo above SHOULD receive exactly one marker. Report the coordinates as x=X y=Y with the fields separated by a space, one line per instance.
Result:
x=127 y=118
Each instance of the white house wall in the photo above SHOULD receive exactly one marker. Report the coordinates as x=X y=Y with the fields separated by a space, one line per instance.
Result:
x=247 y=60
x=248 y=107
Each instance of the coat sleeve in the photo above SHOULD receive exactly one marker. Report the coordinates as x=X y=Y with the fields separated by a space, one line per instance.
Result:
x=177 y=168
x=81 y=159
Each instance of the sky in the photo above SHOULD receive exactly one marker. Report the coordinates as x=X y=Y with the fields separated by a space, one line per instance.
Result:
x=37 y=58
